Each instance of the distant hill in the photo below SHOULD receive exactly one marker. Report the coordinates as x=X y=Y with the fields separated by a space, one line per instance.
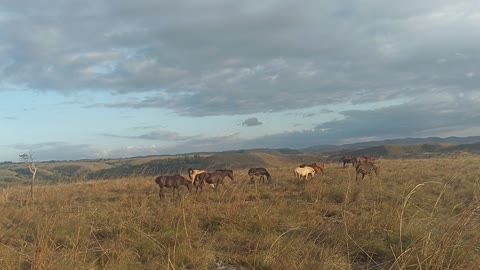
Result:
x=404 y=141
x=407 y=151
x=472 y=147
x=64 y=171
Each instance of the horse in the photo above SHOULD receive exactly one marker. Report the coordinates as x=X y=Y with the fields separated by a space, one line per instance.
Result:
x=226 y=172
x=213 y=179
x=347 y=160
x=172 y=181
x=365 y=159
x=366 y=169
x=318 y=167
x=261 y=172
x=193 y=173
x=303 y=173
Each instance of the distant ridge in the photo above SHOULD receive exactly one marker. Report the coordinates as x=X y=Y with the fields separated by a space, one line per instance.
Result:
x=404 y=141
x=406 y=150
x=149 y=166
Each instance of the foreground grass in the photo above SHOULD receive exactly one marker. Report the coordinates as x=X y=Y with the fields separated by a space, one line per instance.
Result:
x=418 y=214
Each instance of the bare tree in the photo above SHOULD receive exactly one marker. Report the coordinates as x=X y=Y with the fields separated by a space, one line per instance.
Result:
x=28 y=160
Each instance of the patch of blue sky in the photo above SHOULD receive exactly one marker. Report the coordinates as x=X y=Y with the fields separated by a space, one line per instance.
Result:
x=104 y=68
x=30 y=117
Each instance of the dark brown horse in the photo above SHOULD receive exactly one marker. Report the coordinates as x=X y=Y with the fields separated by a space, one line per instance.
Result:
x=261 y=172
x=347 y=160
x=226 y=172
x=172 y=181
x=213 y=179
x=366 y=169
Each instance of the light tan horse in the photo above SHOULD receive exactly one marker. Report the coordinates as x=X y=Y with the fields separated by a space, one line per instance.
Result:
x=193 y=174
x=303 y=173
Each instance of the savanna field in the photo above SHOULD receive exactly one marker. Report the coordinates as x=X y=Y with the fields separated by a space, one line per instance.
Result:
x=416 y=214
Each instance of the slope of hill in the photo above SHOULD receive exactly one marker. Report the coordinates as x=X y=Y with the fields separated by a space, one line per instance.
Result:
x=473 y=147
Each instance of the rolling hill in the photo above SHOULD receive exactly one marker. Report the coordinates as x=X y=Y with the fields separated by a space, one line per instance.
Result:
x=66 y=171
x=403 y=141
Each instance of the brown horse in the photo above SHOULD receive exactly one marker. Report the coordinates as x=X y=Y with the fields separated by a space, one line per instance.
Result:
x=365 y=159
x=226 y=172
x=213 y=179
x=347 y=160
x=261 y=172
x=366 y=169
x=172 y=181
x=318 y=167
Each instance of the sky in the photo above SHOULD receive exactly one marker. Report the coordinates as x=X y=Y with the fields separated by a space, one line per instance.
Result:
x=116 y=78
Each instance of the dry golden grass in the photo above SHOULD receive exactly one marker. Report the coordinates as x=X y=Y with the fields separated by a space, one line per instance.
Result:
x=417 y=214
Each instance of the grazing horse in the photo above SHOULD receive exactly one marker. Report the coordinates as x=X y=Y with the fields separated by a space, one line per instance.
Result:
x=193 y=173
x=261 y=172
x=172 y=181
x=303 y=173
x=347 y=160
x=213 y=179
x=226 y=172
x=366 y=169
x=318 y=167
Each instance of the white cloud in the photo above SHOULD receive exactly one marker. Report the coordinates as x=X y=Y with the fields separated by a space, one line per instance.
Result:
x=205 y=58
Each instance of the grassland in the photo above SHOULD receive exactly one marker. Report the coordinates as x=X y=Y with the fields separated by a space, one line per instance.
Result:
x=417 y=214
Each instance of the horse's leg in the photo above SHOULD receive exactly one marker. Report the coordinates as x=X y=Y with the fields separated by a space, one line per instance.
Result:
x=160 y=193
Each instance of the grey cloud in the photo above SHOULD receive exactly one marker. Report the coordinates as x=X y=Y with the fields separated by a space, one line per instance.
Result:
x=207 y=58
x=204 y=144
x=453 y=115
x=251 y=122
x=161 y=135
x=307 y=115
x=147 y=127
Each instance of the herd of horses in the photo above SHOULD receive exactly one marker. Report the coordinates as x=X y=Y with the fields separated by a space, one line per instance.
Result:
x=197 y=178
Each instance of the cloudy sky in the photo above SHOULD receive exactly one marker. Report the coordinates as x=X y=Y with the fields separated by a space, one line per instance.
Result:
x=118 y=78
